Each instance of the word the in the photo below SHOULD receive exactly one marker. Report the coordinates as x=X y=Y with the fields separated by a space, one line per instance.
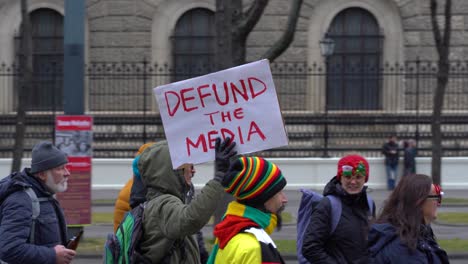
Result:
x=226 y=116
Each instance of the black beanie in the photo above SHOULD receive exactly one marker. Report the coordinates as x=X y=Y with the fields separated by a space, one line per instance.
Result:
x=46 y=156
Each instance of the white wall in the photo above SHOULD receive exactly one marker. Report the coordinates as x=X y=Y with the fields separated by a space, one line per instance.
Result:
x=299 y=172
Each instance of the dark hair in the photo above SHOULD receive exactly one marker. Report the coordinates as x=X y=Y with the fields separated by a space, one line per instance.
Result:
x=406 y=144
x=403 y=209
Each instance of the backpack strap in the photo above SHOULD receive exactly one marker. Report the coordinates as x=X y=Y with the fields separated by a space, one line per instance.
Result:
x=336 y=209
x=36 y=210
x=370 y=203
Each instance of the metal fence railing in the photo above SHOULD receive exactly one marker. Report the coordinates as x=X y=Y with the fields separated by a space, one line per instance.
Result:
x=334 y=110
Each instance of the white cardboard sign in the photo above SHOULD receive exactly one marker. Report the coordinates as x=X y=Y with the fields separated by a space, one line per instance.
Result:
x=239 y=102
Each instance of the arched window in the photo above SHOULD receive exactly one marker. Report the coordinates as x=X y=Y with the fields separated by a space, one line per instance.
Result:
x=193 y=44
x=47 y=42
x=353 y=78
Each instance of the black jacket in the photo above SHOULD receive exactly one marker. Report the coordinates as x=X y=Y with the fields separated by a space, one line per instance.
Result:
x=390 y=158
x=410 y=160
x=348 y=243
x=385 y=246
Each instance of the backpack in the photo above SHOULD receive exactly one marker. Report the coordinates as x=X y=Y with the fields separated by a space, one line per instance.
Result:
x=309 y=201
x=123 y=247
x=8 y=186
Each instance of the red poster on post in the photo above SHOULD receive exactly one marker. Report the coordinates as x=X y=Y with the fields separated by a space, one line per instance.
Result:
x=73 y=135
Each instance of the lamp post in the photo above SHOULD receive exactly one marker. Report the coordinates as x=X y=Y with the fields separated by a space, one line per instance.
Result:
x=327 y=46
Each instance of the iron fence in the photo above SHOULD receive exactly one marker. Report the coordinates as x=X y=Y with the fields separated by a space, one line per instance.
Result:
x=326 y=110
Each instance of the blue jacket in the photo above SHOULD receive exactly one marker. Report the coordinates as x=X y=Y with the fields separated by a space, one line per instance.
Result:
x=16 y=220
x=385 y=246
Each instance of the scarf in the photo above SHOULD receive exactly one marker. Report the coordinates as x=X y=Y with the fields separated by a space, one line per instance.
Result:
x=239 y=217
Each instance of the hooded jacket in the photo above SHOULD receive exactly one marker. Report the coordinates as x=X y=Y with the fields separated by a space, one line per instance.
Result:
x=16 y=222
x=385 y=246
x=348 y=243
x=169 y=223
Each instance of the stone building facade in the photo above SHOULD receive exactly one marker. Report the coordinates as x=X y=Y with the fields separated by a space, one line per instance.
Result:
x=146 y=30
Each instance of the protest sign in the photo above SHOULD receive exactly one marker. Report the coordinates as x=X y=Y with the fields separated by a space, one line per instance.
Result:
x=239 y=102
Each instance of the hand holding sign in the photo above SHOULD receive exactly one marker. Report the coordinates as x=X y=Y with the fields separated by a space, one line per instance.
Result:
x=239 y=103
x=223 y=153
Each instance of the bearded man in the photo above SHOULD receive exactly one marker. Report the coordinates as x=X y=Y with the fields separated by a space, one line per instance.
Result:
x=40 y=240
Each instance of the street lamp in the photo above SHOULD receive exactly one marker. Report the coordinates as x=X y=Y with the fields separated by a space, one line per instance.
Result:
x=327 y=47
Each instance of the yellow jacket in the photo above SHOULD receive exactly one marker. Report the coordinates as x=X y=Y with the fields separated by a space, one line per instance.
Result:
x=242 y=248
x=122 y=204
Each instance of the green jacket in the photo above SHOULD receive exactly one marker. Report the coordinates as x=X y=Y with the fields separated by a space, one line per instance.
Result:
x=168 y=221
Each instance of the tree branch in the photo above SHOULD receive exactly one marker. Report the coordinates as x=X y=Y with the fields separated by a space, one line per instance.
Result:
x=283 y=43
x=251 y=18
x=435 y=26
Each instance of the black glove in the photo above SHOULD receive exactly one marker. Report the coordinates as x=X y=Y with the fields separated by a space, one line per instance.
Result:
x=223 y=153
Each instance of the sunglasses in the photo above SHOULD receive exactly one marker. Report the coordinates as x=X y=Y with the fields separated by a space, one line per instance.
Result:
x=438 y=195
x=359 y=172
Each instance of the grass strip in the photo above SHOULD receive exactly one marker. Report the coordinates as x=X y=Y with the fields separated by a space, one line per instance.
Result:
x=102 y=218
x=450 y=200
x=103 y=202
x=453 y=217
x=455 y=245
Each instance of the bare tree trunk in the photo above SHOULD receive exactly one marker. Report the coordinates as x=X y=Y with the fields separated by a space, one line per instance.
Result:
x=26 y=67
x=233 y=26
x=443 y=46
x=288 y=36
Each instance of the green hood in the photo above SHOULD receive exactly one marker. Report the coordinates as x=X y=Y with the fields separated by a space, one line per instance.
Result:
x=156 y=172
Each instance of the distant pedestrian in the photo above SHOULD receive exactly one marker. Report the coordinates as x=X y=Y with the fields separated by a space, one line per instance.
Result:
x=243 y=236
x=403 y=233
x=410 y=153
x=390 y=150
x=348 y=242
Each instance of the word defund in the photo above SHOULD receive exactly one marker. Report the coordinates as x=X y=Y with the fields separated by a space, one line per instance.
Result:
x=193 y=98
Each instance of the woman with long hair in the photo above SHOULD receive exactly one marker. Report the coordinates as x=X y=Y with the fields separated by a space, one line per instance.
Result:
x=402 y=232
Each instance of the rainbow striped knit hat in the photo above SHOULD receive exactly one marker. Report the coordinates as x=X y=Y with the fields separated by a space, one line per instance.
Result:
x=253 y=180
